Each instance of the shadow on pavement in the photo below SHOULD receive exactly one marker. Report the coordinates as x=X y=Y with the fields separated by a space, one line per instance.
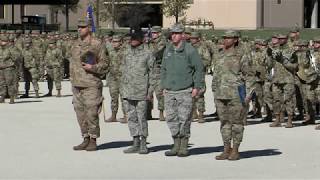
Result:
x=205 y=150
x=22 y=102
x=115 y=144
x=160 y=148
x=259 y=153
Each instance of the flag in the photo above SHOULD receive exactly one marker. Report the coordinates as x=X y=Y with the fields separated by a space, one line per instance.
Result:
x=90 y=17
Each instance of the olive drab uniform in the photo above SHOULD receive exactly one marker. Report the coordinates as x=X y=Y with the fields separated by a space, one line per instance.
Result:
x=284 y=64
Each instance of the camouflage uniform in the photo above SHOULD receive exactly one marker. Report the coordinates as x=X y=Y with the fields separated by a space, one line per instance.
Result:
x=182 y=70
x=316 y=62
x=284 y=63
x=199 y=101
x=37 y=46
x=30 y=68
x=53 y=64
x=7 y=72
x=16 y=53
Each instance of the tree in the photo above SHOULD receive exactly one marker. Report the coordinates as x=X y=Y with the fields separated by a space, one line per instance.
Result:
x=175 y=8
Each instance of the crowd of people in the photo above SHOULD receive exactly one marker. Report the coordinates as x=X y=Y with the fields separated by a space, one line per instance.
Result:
x=278 y=77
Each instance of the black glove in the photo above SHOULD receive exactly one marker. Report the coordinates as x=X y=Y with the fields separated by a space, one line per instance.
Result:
x=269 y=52
x=279 y=57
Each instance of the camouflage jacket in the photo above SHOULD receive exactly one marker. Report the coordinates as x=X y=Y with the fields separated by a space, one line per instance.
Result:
x=284 y=71
x=29 y=58
x=306 y=68
x=260 y=66
x=136 y=71
x=204 y=54
x=53 y=58
x=78 y=76
x=230 y=68
x=6 y=58
x=116 y=58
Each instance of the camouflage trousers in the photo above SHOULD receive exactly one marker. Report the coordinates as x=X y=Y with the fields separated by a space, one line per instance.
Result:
x=8 y=80
x=31 y=75
x=178 y=105
x=114 y=90
x=267 y=94
x=136 y=111
x=199 y=102
x=159 y=96
x=231 y=119
x=283 y=98
x=54 y=75
x=87 y=102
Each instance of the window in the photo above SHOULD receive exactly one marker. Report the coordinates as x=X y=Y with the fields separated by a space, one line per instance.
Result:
x=279 y=1
x=1 y=11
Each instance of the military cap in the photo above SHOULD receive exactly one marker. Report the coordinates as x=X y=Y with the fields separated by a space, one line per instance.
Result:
x=52 y=41
x=316 y=39
x=177 y=28
x=264 y=42
x=4 y=38
x=35 y=31
x=295 y=30
x=126 y=38
x=116 y=38
x=83 y=23
x=19 y=31
x=56 y=33
x=258 y=41
x=28 y=41
x=188 y=30
x=274 y=35
x=11 y=38
x=156 y=29
x=301 y=43
x=282 y=36
x=27 y=31
x=230 y=34
x=195 y=34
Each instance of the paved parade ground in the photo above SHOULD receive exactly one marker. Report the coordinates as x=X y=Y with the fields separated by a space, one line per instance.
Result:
x=37 y=136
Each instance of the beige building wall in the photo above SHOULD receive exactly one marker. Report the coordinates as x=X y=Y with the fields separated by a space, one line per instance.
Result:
x=238 y=14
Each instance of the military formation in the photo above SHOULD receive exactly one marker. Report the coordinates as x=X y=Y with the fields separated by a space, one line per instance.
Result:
x=278 y=77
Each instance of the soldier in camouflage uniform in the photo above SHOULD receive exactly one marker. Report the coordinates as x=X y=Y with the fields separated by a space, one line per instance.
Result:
x=17 y=58
x=7 y=71
x=37 y=46
x=182 y=75
x=136 y=71
x=53 y=64
x=114 y=77
x=187 y=33
x=284 y=64
x=88 y=63
x=307 y=76
x=199 y=101
x=316 y=62
x=230 y=94
x=30 y=68
x=157 y=46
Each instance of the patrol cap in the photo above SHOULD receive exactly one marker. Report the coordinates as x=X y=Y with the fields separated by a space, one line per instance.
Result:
x=19 y=31
x=83 y=23
x=116 y=38
x=35 y=31
x=11 y=38
x=188 y=30
x=195 y=34
x=56 y=33
x=294 y=30
x=282 y=36
x=245 y=38
x=4 y=38
x=177 y=28
x=52 y=41
x=258 y=41
x=156 y=29
x=28 y=41
x=264 y=42
x=230 y=34
x=316 y=39
x=274 y=35
x=301 y=43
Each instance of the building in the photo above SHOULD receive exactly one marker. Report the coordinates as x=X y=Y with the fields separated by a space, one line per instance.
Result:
x=236 y=14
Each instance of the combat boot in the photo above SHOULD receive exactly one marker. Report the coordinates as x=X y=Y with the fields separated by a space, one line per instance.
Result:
x=11 y=100
x=92 y=146
x=113 y=117
x=276 y=123
x=161 y=116
x=175 y=148
x=308 y=121
x=37 y=94
x=49 y=94
x=135 y=147
x=26 y=95
x=234 y=155
x=183 y=150
x=268 y=118
x=226 y=152
x=83 y=145
x=289 y=123
x=194 y=115
x=124 y=119
x=59 y=93
x=282 y=117
x=2 y=99
x=200 y=118
x=143 y=146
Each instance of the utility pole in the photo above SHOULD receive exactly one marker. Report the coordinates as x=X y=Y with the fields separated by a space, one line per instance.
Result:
x=67 y=15
x=113 y=15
